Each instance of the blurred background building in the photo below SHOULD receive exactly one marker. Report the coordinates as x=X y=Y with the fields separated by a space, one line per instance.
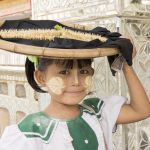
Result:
x=130 y=17
x=16 y=97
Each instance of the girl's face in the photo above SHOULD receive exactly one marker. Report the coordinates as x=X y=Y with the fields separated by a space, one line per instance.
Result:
x=68 y=86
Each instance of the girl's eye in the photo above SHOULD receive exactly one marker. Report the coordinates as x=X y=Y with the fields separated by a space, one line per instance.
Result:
x=64 y=72
x=84 y=71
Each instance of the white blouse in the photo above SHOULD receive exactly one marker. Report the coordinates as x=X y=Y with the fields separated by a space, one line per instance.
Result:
x=91 y=130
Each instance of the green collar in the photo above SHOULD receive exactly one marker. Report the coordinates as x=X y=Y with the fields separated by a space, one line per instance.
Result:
x=40 y=125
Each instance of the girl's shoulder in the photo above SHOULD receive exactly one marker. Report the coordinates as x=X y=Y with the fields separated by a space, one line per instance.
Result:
x=32 y=121
x=37 y=125
x=97 y=102
x=93 y=106
x=99 y=105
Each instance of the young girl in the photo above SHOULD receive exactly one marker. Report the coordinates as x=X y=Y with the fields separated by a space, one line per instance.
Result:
x=68 y=122
x=71 y=122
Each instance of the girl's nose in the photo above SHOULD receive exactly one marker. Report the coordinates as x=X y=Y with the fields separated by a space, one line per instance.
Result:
x=75 y=78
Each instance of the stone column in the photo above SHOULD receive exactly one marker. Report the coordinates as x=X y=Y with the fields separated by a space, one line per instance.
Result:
x=11 y=88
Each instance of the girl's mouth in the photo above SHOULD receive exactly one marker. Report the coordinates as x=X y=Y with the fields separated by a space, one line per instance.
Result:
x=74 y=92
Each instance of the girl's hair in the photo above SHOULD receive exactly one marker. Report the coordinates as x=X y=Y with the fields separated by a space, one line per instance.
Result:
x=43 y=63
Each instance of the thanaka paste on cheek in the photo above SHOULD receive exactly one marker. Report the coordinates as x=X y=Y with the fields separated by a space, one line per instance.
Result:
x=56 y=85
x=88 y=82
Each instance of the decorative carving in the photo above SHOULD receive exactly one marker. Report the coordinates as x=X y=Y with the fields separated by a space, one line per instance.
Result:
x=144 y=140
x=20 y=91
x=23 y=101
x=3 y=88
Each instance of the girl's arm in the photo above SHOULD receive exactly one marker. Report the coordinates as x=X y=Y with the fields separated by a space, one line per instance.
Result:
x=139 y=107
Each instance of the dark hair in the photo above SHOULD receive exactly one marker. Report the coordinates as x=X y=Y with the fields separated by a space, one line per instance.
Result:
x=43 y=63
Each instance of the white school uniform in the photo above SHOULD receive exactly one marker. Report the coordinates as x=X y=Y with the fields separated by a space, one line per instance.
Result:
x=92 y=130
